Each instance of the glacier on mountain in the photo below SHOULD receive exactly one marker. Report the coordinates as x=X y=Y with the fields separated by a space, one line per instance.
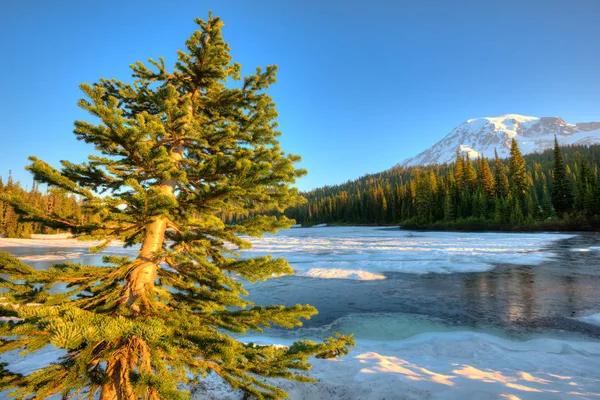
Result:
x=481 y=136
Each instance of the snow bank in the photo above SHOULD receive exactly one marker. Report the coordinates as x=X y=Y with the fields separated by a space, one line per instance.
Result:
x=47 y=241
x=586 y=249
x=438 y=365
x=455 y=365
x=342 y=274
x=58 y=247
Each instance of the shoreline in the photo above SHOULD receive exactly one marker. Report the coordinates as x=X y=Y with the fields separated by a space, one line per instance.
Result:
x=428 y=228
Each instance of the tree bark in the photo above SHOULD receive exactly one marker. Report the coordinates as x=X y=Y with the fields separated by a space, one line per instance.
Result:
x=137 y=294
x=140 y=281
x=119 y=386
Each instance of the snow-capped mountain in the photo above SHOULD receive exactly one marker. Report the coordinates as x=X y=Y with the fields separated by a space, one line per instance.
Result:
x=480 y=136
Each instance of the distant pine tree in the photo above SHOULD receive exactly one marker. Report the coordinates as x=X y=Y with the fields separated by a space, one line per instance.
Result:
x=470 y=175
x=561 y=188
x=459 y=170
x=516 y=170
x=500 y=178
x=486 y=180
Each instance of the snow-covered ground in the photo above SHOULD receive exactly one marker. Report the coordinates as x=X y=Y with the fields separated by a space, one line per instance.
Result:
x=448 y=365
x=60 y=247
x=438 y=365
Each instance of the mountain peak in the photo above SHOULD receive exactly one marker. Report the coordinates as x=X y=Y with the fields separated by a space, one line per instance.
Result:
x=481 y=136
x=506 y=117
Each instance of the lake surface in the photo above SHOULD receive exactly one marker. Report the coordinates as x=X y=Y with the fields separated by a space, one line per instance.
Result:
x=386 y=283
x=514 y=284
x=436 y=314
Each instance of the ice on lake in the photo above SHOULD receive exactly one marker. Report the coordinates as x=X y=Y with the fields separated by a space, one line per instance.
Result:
x=365 y=253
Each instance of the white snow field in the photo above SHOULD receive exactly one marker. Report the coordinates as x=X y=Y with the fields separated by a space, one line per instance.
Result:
x=482 y=136
x=435 y=365
x=447 y=365
x=593 y=319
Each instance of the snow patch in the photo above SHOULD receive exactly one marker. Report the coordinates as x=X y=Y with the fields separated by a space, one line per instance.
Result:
x=342 y=274
x=466 y=149
x=52 y=257
x=443 y=365
x=481 y=136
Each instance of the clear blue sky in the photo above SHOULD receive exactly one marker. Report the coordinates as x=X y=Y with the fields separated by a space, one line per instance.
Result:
x=362 y=84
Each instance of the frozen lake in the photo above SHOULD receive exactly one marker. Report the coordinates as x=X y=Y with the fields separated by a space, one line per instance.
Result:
x=436 y=315
x=518 y=283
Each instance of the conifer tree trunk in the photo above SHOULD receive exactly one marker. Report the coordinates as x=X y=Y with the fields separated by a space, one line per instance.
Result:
x=133 y=353
x=141 y=279
x=136 y=294
x=119 y=386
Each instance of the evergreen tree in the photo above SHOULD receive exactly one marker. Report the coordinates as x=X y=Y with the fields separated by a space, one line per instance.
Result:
x=500 y=178
x=547 y=210
x=449 y=208
x=486 y=180
x=459 y=170
x=470 y=175
x=179 y=147
x=424 y=197
x=561 y=190
x=517 y=172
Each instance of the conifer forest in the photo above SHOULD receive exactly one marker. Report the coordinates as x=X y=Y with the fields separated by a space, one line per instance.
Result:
x=52 y=201
x=557 y=189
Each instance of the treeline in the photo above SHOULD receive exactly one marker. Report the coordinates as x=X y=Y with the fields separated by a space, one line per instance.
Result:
x=556 y=189
x=52 y=201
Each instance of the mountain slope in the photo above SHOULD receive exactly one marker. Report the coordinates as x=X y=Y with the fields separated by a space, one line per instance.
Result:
x=480 y=136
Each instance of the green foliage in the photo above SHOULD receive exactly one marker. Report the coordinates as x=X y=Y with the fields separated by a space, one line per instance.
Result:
x=561 y=189
x=516 y=171
x=178 y=150
x=500 y=179
x=56 y=203
x=447 y=197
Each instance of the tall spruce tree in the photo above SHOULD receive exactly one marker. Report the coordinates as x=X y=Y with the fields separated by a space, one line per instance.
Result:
x=500 y=178
x=561 y=189
x=486 y=180
x=459 y=170
x=177 y=147
x=516 y=169
x=470 y=174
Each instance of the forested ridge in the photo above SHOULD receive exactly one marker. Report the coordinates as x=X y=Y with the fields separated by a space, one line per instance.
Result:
x=520 y=192
x=556 y=189
x=52 y=201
